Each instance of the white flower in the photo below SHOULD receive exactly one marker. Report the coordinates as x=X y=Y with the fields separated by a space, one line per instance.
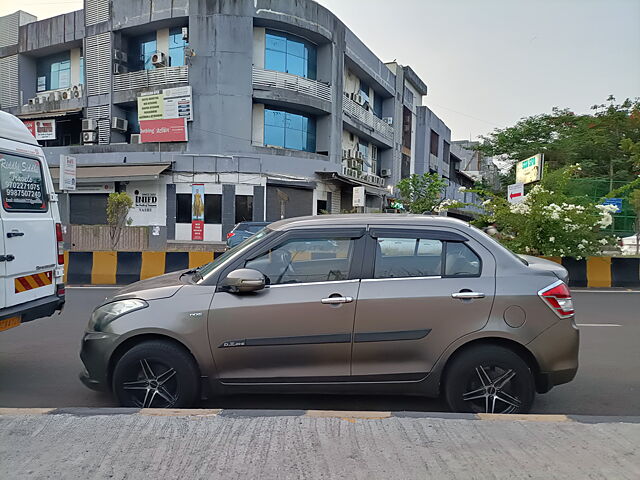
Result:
x=585 y=241
x=486 y=202
x=581 y=246
x=462 y=189
x=603 y=241
x=552 y=239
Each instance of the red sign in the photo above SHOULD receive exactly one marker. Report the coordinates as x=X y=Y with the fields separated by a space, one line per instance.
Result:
x=197 y=230
x=31 y=125
x=515 y=195
x=163 y=130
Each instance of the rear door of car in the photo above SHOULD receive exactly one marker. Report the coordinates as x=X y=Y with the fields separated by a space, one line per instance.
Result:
x=422 y=288
x=28 y=225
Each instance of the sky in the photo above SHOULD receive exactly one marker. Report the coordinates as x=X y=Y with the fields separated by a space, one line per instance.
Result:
x=488 y=63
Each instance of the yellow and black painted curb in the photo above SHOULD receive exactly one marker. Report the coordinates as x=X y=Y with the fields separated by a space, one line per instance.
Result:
x=123 y=268
x=601 y=272
x=350 y=416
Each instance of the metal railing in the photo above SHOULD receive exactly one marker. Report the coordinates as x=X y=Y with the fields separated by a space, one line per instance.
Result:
x=362 y=176
x=287 y=81
x=367 y=117
x=150 y=78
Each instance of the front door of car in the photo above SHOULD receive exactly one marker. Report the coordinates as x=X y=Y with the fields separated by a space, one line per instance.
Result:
x=413 y=299
x=298 y=328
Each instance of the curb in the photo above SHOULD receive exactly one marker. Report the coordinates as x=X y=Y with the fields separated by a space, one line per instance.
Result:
x=338 y=414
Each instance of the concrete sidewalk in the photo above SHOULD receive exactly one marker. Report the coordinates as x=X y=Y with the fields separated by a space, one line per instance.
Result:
x=193 y=444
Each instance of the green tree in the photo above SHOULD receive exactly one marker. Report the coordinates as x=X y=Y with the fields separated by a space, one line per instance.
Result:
x=422 y=193
x=605 y=142
x=118 y=206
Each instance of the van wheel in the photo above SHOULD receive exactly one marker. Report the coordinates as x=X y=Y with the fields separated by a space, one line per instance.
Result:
x=156 y=374
x=489 y=379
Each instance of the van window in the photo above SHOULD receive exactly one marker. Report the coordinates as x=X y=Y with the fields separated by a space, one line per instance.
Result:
x=22 y=184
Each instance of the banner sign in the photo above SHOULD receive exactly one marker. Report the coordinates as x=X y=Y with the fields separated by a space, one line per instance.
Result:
x=197 y=211
x=515 y=193
x=359 y=197
x=67 y=173
x=150 y=107
x=42 y=129
x=529 y=170
x=177 y=103
x=164 y=130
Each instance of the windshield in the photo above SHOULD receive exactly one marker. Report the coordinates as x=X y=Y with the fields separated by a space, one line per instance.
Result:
x=206 y=270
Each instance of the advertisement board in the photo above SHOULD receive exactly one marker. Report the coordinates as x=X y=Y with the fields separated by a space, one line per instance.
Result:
x=164 y=130
x=197 y=211
x=177 y=103
x=67 y=173
x=359 y=197
x=530 y=170
x=150 y=107
x=42 y=129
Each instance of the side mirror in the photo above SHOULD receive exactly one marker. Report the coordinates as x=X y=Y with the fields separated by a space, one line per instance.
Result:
x=244 y=280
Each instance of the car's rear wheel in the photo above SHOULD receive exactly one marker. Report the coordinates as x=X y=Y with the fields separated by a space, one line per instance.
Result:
x=489 y=379
x=156 y=374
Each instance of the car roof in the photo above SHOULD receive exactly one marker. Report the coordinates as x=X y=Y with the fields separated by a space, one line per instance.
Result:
x=12 y=128
x=363 y=219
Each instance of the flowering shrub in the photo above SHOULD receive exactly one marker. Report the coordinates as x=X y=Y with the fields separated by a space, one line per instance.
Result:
x=549 y=222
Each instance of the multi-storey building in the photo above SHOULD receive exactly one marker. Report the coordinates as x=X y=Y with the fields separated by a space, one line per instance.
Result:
x=275 y=106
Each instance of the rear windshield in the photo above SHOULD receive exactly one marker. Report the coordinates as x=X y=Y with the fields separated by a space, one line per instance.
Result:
x=22 y=184
x=253 y=228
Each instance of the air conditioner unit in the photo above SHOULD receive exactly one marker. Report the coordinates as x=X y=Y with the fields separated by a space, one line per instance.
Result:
x=345 y=153
x=77 y=91
x=89 y=138
x=54 y=96
x=89 y=124
x=119 y=69
x=135 y=138
x=388 y=120
x=360 y=156
x=120 y=56
x=66 y=94
x=185 y=34
x=159 y=59
x=119 y=124
x=385 y=172
x=359 y=99
x=32 y=101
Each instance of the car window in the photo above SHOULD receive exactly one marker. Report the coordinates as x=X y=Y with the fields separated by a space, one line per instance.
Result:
x=461 y=261
x=22 y=184
x=305 y=261
x=253 y=228
x=408 y=257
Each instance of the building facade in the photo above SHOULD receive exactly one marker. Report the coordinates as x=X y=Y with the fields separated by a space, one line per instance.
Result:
x=275 y=107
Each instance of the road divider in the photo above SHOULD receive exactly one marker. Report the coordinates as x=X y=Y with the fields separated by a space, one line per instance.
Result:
x=123 y=268
x=601 y=272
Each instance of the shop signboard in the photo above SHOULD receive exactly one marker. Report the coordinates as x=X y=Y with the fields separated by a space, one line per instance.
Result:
x=177 y=103
x=530 y=170
x=197 y=211
x=42 y=129
x=164 y=130
x=145 y=201
x=359 y=197
x=150 y=107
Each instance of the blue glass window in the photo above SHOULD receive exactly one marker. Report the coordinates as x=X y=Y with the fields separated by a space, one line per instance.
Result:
x=54 y=72
x=289 y=130
x=289 y=54
x=141 y=50
x=81 y=71
x=176 y=47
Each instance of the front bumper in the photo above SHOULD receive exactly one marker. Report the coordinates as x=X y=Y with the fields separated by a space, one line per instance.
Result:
x=95 y=351
x=556 y=351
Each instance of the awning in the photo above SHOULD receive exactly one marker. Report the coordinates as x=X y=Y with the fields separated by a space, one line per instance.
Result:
x=370 y=189
x=115 y=173
x=37 y=116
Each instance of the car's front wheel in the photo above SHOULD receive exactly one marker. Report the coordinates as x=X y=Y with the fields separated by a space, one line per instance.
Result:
x=156 y=374
x=489 y=379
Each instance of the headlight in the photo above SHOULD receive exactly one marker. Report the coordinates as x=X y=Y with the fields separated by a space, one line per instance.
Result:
x=106 y=314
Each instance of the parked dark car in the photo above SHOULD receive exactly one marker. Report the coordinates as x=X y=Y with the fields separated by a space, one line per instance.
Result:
x=372 y=304
x=242 y=231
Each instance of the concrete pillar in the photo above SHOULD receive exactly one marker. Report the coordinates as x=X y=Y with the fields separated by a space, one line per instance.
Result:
x=258 y=204
x=75 y=55
x=171 y=211
x=228 y=209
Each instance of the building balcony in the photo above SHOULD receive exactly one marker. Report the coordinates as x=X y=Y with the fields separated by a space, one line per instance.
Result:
x=353 y=168
x=150 y=78
x=366 y=116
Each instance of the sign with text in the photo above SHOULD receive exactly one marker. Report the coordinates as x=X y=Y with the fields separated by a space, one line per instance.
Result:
x=67 y=173
x=177 y=102
x=42 y=129
x=529 y=170
x=163 y=130
x=617 y=202
x=197 y=211
x=145 y=201
x=359 y=197
x=515 y=193
x=150 y=107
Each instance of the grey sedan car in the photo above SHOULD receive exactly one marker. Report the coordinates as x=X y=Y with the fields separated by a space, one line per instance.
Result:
x=380 y=304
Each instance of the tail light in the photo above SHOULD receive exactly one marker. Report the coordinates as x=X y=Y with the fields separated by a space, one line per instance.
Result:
x=229 y=235
x=60 y=243
x=558 y=297
x=60 y=290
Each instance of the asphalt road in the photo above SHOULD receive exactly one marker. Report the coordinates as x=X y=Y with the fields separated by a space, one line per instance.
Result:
x=39 y=365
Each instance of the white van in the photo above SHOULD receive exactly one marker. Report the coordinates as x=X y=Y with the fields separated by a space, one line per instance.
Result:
x=31 y=255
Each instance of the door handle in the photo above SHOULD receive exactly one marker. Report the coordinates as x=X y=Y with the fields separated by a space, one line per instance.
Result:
x=467 y=295
x=336 y=300
x=15 y=234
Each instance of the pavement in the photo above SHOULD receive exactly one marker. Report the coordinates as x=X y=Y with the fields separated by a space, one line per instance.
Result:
x=39 y=366
x=194 y=444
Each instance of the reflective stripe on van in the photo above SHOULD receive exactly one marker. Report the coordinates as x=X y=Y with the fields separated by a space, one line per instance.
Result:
x=29 y=282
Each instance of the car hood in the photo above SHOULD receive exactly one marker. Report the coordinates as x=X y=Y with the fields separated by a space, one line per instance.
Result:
x=547 y=265
x=154 y=288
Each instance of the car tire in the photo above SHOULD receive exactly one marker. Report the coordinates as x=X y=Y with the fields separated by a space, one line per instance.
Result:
x=489 y=379
x=156 y=374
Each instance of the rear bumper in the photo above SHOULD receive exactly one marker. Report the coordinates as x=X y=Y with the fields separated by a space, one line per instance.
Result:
x=42 y=307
